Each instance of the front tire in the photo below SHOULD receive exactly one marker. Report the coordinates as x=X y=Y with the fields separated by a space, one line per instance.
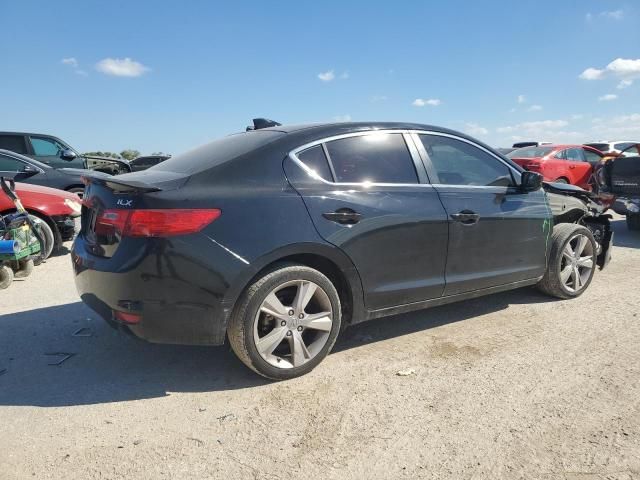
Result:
x=47 y=236
x=286 y=322
x=633 y=221
x=572 y=261
x=6 y=276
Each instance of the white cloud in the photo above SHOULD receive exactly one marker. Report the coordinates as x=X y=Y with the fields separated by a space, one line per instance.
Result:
x=592 y=74
x=121 y=67
x=608 y=97
x=432 y=102
x=624 y=84
x=532 y=127
x=619 y=126
x=522 y=99
x=625 y=68
x=71 y=61
x=534 y=108
x=475 y=129
x=342 y=118
x=327 y=76
x=611 y=15
x=577 y=116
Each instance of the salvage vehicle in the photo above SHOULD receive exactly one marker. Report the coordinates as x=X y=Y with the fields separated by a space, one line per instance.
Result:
x=55 y=212
x=147 y=161
x=614 y=147
x=559 y=163
x=277 y=238
x=27 y=170
x=54 y=152
x=620 y=176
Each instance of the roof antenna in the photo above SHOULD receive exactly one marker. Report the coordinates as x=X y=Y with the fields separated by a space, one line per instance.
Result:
x=259 y=123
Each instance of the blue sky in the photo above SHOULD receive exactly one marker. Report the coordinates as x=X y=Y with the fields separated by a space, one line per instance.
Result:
x=172 y=75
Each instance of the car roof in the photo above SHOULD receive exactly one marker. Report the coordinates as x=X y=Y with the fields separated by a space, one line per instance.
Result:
x=25 y=158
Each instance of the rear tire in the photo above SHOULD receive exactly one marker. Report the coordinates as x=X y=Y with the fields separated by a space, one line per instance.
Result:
x=47 y=236
x=286 y=322
x=633 y=221
x=6 y=276
x=572 y=261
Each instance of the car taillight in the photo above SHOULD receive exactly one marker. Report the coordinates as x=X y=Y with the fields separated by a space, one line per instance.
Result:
x=531 y=165
x=126 y=317
x=155 y=222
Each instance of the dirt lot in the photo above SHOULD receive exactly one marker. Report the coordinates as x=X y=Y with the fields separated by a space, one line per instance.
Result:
x=513 y=385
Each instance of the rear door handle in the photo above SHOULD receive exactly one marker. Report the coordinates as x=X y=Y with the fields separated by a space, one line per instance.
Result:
x=343 y=216
x=466 y=217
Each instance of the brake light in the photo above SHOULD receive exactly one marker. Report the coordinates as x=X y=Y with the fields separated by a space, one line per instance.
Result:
x=126 y=317
x=154 y=223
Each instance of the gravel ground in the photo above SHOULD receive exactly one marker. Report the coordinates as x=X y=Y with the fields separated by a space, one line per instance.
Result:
x=513 y=385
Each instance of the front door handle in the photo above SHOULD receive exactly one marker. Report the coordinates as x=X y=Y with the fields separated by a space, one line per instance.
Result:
x=466 y=217
x=343 y=216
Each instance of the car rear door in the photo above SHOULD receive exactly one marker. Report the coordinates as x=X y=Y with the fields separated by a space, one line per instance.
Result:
x=578 y=167
x=367 y=194
x=497 y=234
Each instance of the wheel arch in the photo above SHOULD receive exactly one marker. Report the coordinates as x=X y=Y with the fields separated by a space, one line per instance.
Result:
x=45 y=218
x=329 y=260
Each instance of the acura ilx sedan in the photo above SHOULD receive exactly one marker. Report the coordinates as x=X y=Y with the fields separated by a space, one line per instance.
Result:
x=276 y=238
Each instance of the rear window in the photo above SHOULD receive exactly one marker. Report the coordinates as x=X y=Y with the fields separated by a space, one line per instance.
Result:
x=530 y=152
x=603 y=147
x=217 y=152
x=316 y=160
x=375 y=158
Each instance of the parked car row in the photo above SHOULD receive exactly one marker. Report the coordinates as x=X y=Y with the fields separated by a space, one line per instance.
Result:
x=47 y=160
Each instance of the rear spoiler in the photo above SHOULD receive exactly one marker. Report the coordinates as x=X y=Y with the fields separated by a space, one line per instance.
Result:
x=116 y=184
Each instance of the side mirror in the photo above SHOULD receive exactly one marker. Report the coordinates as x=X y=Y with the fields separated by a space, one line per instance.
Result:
x=530 y=181
x=68 y=154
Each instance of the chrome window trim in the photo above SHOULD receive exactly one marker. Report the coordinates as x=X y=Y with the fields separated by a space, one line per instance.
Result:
x=293 y=155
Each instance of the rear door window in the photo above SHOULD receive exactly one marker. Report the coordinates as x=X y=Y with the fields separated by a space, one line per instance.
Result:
x=13 y=143
x=374 y=158
x=460 y=163
x=316 y=160
x=575 y=155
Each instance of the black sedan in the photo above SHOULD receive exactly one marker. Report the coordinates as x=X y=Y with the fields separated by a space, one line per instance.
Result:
x=275 y=238
x=27 y=170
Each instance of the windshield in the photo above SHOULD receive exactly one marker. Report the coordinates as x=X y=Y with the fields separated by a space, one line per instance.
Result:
x=632 y=150
x=530 y=152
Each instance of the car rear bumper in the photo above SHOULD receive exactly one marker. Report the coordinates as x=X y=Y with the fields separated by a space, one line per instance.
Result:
x=169 y=297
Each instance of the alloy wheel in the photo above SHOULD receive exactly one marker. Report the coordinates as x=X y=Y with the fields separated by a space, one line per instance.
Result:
x=577 y=263
x=293 y=324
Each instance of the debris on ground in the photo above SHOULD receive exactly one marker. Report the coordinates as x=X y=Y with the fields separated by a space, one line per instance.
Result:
x=63 y=356
x=228 y=416
x=406 y=373
x=82 y=332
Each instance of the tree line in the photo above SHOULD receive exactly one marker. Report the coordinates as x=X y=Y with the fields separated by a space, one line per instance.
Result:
x=128 y=154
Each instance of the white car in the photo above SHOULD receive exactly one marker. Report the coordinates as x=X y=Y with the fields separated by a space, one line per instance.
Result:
x=612 y=146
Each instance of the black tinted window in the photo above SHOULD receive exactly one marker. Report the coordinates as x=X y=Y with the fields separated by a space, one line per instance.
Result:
x=575 y=155
x=8 y=164
x=376 y=158
x=592 y=157
x=459 y=163
x=14 y=143
x=316 y=160
x=218 y=151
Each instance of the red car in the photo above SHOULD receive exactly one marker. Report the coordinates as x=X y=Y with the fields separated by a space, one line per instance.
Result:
x=559 y=163
x=56 y=208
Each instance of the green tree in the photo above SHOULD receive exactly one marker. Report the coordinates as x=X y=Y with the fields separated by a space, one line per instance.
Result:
x=129 y=154
x=102 y=154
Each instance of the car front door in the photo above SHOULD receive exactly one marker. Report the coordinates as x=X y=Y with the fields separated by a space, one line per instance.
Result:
x=48 y=150
x=498 y=235
x=20 y=171
x=366 y=194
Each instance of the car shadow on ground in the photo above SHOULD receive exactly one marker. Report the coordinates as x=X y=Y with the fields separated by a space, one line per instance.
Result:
x=622 y=236
x=112 y=366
